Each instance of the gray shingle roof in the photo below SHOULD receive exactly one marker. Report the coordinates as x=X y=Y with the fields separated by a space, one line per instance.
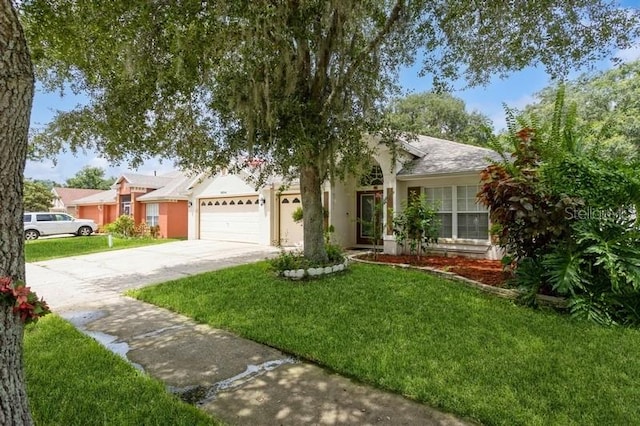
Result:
x=175 y=189
x=442 y=157
x=147 y=181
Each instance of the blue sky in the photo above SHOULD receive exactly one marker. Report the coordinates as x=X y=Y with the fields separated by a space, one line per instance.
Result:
x=515 y=91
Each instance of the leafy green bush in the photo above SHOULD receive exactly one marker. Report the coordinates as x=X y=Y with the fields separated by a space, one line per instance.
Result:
x=568 y=218
x=123 y=226
x=416 y=225
x=334 y=253
x=297 y=215
x=600 y=271
x=288 y=260
x=291 y=260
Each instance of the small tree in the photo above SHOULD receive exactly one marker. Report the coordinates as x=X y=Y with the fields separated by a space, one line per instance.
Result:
x=416 y=225
x=37 y=197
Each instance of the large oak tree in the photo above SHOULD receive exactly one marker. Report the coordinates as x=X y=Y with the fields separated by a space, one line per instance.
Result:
x=440 y=115
x=292 y=83
x=16 y=95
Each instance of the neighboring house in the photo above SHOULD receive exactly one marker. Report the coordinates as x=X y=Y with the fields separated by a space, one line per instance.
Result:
x=64 y=199
x=154 y=200
x=226 y=207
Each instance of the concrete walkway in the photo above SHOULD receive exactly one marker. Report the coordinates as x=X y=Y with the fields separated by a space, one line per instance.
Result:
x=236 y=380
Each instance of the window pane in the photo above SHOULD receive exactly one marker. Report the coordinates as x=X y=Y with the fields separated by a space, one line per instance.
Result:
x=467 y=199
x=473 y=226
x=441 y=197
x=153 y=211
x=446 y=225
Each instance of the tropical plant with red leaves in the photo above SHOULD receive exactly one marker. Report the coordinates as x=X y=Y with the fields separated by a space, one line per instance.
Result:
x=24 y=301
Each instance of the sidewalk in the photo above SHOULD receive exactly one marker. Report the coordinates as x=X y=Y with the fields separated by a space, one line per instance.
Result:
x=236 y=380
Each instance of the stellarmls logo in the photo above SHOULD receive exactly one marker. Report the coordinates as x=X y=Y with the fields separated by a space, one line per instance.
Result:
x=588 y=213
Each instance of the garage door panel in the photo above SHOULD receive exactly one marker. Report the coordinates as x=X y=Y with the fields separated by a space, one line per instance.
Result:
x=230 y=219
x=291 y=232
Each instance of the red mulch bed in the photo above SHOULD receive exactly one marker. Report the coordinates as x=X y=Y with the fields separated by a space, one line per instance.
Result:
x=488 y=272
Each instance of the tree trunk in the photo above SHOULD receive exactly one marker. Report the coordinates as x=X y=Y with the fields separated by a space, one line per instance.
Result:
x=312 y=218
x=16 y=96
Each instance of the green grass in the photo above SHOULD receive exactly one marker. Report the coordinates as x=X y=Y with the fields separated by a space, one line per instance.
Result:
x=37 y=250
x=436 y=341
x=73 y=380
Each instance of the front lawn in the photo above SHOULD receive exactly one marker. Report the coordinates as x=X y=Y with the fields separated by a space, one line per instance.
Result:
x=43 y=249
x=433 y=340
x=73 y=380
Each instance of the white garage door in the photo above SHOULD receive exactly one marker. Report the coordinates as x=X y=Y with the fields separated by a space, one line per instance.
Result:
x=291 y=232
x=229 y=219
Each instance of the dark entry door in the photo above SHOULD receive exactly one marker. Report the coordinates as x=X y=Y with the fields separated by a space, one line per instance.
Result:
x=369 y=216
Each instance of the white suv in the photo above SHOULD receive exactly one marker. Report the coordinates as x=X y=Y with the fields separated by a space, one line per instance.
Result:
x=48 y=223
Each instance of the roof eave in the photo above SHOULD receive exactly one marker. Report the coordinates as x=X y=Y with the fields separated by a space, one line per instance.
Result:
x=408 y=177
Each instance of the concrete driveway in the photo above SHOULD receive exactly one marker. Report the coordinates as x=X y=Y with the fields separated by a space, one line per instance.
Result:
x=78 y=282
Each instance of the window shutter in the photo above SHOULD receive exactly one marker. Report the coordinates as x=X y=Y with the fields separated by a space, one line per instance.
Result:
x=413 y=192
x=389 y=211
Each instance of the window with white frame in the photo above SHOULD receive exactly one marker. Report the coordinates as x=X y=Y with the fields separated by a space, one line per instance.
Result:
x=153 y=213
x=442 y=199
x=473 y=218
x=459 y=213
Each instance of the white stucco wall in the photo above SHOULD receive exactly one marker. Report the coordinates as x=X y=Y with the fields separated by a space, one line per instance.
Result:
x=342 y=213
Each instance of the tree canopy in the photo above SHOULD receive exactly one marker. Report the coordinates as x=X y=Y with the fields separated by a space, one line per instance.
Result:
x=90 y=178
x=607 y=110
x=37 y=196
x=294 y=83
x=440 y=115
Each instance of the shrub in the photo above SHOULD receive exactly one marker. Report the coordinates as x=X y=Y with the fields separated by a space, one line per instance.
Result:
x=297 y=215
x=416 y=225
x=599 y=271
x=569 y=219
x=288 y=260
x=291 y=260
x=123 y=226
x=334 y=253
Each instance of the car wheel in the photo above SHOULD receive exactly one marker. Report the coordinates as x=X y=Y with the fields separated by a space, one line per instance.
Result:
x=85 y=231
x=31 y=234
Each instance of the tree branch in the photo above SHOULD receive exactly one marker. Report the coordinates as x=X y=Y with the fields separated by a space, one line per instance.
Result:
x=394 y=16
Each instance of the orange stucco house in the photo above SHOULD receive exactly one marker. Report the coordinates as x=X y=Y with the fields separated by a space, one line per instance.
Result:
x=154 y=200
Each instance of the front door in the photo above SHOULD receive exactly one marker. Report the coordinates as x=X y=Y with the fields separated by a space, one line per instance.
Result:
x=369 y=220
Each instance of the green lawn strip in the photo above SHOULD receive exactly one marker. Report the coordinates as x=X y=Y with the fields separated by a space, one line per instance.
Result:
x=43 y=249
x=73 y=380
x=433 y=340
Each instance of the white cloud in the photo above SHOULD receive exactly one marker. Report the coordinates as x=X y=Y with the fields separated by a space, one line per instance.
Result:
x=629 y=55
x=43 y=170
x=99 y=162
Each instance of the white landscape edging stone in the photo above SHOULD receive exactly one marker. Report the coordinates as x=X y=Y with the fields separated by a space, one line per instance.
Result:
x=298 y=274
